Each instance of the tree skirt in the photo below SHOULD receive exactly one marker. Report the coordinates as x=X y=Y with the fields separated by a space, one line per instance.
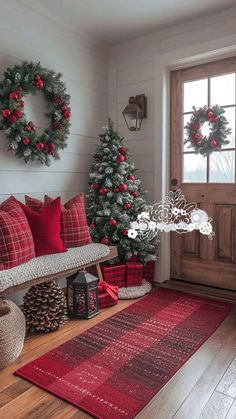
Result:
x=114 y=369
x=126 y=293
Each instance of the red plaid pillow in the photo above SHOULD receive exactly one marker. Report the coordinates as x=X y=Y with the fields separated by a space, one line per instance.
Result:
x=16 y=241
x=33 y=203
x=74 y=228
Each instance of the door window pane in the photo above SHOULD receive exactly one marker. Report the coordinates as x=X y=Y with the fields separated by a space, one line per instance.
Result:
x=222 y=166
x=195 y=168
x=230 y=116
x=195 y=94
x=186 y=119
x=223 y=90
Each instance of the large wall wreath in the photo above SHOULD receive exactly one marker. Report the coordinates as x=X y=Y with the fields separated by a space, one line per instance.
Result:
x=24 y=140
x=218 y=134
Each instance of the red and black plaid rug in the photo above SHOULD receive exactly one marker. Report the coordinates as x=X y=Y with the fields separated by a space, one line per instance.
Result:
x=116 y=367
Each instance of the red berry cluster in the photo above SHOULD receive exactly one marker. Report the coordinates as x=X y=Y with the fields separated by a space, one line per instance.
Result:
x=66 y=112
x=38 y=81
x=16 y=114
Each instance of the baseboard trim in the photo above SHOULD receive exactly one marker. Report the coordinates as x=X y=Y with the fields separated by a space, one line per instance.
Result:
x=198 y=289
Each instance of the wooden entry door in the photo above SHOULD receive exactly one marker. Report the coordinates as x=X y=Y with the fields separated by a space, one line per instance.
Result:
x=208 y=181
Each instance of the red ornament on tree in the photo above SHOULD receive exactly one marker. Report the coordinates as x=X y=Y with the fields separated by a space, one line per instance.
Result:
x=6 y=113
x=120 y=158
x=122 y=150
x=125 y=232
x=127 y=206
x=105 y=240
x=196 y=136
x=123 y=187
x=116 y=189
x=92 y=225
x=102 y=191
x=112 y=222
x=214 y=143
x=39 y=84
x=26 y=141
x=131 y=177
x=95 y=186
x=13 y=96
x=216 y=119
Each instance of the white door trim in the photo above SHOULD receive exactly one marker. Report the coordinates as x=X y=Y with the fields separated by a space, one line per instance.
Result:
x=164 y=63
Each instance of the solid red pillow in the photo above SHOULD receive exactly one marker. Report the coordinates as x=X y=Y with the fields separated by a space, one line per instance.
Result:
x=74 y=227
x=45 y=227
x=16 y=241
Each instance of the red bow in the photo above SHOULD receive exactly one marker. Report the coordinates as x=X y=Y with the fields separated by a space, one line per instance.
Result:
x=109 y=289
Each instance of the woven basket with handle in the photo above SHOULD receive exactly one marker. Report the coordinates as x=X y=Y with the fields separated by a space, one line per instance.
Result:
x=12 y=332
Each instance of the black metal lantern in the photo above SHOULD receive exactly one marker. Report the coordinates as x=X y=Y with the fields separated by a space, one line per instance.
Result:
x=135 y=112
x=82 y=295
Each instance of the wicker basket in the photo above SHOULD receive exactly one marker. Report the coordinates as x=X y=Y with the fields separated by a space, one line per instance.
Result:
x=12 y=332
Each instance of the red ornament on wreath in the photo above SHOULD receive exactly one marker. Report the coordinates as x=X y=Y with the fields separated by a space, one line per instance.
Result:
x=131 y=177
x=120 y=158
x=134 y=194
x=102 y=191
x=95 y=186
x=218 y=130
x=122 y=150
x=40 y=145
x=116 y=189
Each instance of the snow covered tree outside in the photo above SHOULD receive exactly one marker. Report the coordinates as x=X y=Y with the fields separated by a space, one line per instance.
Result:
x=115 y=199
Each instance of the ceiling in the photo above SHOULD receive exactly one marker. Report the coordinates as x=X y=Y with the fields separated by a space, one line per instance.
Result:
x=115 y=21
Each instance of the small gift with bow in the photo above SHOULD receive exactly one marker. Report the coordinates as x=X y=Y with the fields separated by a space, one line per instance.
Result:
x=107 y=294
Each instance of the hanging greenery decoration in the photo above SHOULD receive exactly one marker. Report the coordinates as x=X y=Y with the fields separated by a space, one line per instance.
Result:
x=23 y=138
x=218 y=130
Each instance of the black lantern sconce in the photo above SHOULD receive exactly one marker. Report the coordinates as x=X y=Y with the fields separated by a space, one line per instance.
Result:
x=82 y=295
x=135 y=112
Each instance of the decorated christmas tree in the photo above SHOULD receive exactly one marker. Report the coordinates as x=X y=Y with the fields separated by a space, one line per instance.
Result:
x=115 y=199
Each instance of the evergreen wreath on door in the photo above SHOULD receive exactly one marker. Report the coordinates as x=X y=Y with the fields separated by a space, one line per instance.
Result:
x=218 y=130
x=23 y=138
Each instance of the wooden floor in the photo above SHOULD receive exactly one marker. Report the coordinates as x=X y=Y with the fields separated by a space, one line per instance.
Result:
x=205 y=387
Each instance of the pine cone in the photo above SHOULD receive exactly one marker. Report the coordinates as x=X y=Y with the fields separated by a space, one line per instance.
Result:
x=45 y=307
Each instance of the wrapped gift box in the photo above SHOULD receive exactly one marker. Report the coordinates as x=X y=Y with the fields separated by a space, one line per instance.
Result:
x=134 y=273
x=107 y=294
x=149 y=271
x=115 y=274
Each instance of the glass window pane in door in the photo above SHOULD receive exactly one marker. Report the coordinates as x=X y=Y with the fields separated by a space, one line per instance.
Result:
x=186 y=119
x=223 y=90
x=230 y=116
x=222 y=167
x=195 y=94
x=194 y=168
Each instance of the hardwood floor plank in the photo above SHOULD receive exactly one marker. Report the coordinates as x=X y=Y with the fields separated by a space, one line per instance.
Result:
x=17 y=407
x=208 y=382
x=13 y=391
x=217 y=407
x=172 y=395
x=232 y=411
x=228 y=383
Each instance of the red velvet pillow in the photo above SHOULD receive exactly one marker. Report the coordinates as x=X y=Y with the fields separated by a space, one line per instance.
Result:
x=16 y=241
x=74 y=228
x=45 y=227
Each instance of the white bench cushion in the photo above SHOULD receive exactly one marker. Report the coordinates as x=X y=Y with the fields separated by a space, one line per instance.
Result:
x=52 y=264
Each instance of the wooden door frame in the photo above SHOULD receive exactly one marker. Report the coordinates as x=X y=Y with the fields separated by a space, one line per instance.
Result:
x=165 y=63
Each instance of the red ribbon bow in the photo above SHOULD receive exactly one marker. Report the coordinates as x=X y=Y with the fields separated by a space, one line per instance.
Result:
x=109 y=289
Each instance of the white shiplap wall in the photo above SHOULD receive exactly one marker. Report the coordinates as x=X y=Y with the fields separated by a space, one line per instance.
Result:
x=132 y=72
x=27 y=35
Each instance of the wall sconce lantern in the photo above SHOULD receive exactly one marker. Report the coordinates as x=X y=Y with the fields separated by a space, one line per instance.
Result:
x=82 y=295
x=135 y=112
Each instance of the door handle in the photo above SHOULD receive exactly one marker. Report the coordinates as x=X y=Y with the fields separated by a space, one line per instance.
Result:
x=174 y=181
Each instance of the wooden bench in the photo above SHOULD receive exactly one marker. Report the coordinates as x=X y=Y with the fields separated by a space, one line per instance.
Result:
x=112 y=254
